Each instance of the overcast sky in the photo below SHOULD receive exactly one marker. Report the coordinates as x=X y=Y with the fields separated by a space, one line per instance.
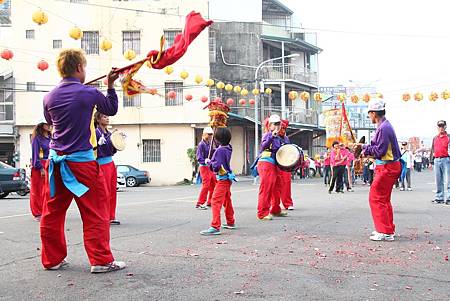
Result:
x=404 y=47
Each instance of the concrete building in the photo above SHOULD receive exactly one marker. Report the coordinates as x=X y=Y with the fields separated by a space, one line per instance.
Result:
x=159 y=130
x=259 y=31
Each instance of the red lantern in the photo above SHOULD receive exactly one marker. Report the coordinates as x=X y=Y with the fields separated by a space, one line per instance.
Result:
x=188 y=97
x=204 y=98
x=7 y=54
x=230 y=101
x=42 y=65
x=252 y=101
x=242 y=102
x=172 y=94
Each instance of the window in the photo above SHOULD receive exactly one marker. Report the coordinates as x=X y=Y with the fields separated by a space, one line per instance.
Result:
x=212 y=93
x=212 y=46
x=178 y=88
x=89 y=42
x=123 y=169
x=131 y=40
x=7 y=103
x=5 y=12
x=31 y=86
x=132 y=101
x=29 y=34
x=57 y=44
x=230 y=56
x=151 y=150
x=170 y=35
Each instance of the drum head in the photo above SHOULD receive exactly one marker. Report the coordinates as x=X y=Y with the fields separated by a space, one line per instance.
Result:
x=118 y=140
x=288 y=155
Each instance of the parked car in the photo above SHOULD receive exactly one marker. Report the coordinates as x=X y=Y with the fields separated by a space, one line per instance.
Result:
x=120 y=181
x=133 y=176
x=11 y=180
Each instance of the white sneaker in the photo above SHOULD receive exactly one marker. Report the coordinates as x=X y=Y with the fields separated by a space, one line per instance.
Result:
x=60 y=265
x=201 y=207
x=375 y=232
x=409 y=189
x=402 y=189
x=110 y=267
x=290 y=208
x=381 y=236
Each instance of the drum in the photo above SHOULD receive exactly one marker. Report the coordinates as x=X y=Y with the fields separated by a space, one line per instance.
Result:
x=118 y=140
x=289 y=157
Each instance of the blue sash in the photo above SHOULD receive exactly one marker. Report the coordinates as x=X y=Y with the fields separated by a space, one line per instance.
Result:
x=104 y=160
x=229 y=176
x=67 y=176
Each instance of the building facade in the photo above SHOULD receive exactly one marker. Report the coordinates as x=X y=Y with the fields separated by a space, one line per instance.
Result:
x=159 y=130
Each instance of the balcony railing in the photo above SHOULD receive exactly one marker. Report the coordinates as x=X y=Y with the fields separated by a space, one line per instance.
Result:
x=291 y=71
x=294 y=115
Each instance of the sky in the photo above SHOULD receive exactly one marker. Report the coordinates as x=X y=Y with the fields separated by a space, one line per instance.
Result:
x=398 y=46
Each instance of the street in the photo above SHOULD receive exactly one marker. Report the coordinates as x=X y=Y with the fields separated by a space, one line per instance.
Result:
x=321 y=251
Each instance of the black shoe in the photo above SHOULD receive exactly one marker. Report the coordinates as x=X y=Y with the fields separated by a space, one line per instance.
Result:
x=329 y=191
x=447 y=202
x=438 y=201
x=114 y=222
x=340 y=191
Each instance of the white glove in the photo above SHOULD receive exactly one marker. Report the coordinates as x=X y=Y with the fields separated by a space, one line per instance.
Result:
x=207 y=161
x=102 y=140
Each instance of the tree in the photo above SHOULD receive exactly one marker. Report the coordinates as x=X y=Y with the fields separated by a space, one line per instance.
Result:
x=192 y=154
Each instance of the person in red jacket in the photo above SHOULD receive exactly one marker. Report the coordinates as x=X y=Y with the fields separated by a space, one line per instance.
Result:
x=439 y=157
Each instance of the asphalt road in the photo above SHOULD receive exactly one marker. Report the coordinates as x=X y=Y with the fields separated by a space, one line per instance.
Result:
x=320 y=251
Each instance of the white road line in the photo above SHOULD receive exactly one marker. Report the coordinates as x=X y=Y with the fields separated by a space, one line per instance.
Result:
x=137 y=203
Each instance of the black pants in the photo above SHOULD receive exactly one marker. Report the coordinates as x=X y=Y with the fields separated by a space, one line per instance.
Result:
x=338 y=178
x=327 y=174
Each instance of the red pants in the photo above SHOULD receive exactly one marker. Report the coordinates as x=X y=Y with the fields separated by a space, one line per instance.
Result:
x=110 y=173
x=268 y=178
x=208 y=184
x=222 y=196
x=386 y=176
x=94 y=209
x=37 y=190
x=282 y=192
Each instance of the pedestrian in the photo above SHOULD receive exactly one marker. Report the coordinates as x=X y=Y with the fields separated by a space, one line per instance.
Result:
x=268 y=170
x=327 y=168
x=220 y=164
x=283 y=192
x=105 y=152
x=408 y=158
x=371 y=164
x=366 y=174
x=418 y=160
x=338 y=162
x=40 y=140
x=385 y=149
x=348 y=178
x=73 y=172
x=206 y=151
x=439 y=156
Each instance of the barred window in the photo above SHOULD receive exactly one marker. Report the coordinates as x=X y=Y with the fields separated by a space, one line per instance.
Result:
x=170 y=35
x=29 y=34
x=57 y=44
x=6 y=105
x=212 y=93
x=31 y=86
x=230 y=56
x=5 y=12
x=90 y=42
x=151 y=150
x=131 y=40
x=212 y=46
x=178 y=88
x=132 y=101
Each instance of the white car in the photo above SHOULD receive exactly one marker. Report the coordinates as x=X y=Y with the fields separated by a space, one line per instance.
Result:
x=120 y=181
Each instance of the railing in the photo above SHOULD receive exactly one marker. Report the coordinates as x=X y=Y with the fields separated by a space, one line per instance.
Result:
x=291 y=71
x=294 y=115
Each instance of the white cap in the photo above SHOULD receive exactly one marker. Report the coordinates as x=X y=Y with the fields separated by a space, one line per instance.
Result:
x=208 y=130
x=42 y=120
x=274 y=118
x=376 y=105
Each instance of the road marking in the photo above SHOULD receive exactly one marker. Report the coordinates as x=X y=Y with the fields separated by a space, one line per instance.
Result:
x=193 y=198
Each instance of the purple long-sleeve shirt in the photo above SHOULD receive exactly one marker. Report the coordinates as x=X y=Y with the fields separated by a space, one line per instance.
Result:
x=384 y=145
x=220 y=161
x=107 y=149
x=39 y=150
x=272 y=143
x=203 y=151
x=69 y=108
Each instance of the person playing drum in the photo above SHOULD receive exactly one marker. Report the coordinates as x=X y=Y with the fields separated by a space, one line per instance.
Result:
x=105 y=151
x=268 y=170
x=283 y=184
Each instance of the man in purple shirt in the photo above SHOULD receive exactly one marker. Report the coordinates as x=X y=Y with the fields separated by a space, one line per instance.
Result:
x=205 y=152
x=385 y=149
x=72 y=169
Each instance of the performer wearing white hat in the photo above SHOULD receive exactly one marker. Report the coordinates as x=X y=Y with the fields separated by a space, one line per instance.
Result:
x=208 y=177
x=384 y=148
